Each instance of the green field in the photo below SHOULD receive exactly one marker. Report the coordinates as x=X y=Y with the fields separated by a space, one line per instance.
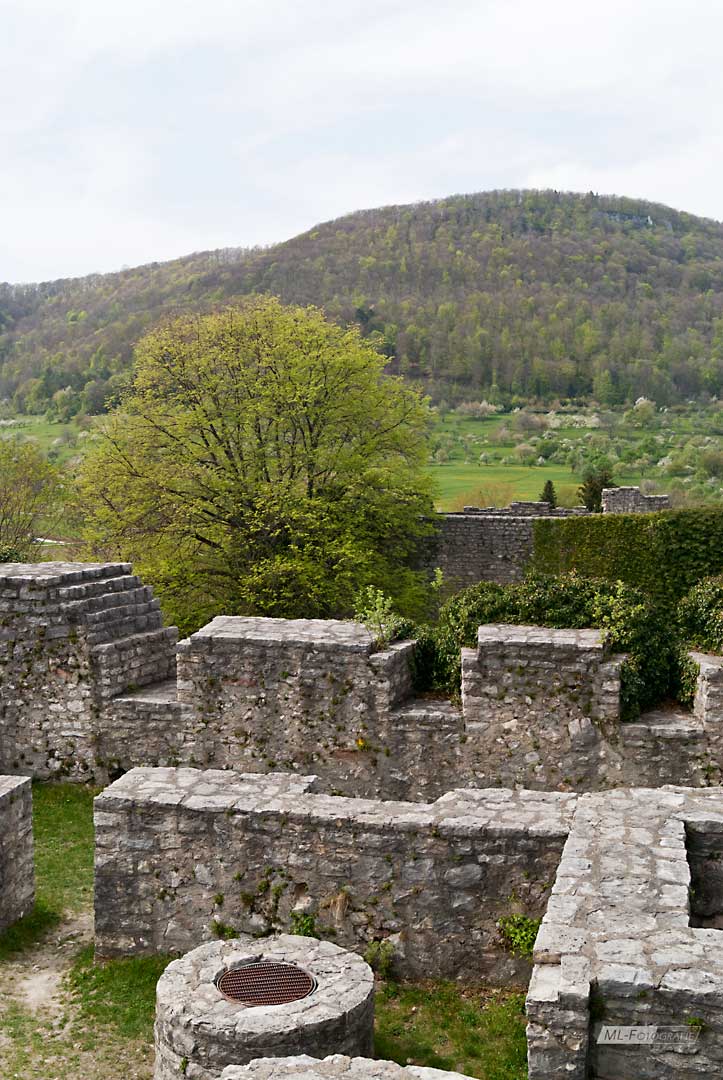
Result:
x=458 y=484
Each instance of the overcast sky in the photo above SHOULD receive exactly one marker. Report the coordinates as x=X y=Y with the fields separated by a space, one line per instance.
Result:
x=147 y=129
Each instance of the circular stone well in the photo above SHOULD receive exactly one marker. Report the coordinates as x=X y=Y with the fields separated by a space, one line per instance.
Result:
x=230 y=1002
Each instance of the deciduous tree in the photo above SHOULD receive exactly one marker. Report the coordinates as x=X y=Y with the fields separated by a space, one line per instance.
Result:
x=262 y=462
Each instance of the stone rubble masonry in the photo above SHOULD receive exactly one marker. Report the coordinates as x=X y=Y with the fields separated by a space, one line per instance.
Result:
x=72 y=636
x=17 y=873
x=630 y=938
x=539 y=706
x=495 y=544
x=198 y=1031
x=183 y=855
x=92 y=684
x=304 y=694
x=336 y=1067
x=630 y=500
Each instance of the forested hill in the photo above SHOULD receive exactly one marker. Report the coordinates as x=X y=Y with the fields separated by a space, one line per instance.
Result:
x=534 y=294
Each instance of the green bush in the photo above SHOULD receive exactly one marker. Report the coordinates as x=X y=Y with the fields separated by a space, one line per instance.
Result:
x=700 y=615
x=631 y=623
x=663 y=554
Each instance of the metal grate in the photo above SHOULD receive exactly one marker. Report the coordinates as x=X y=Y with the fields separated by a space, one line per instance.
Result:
x=266 y=983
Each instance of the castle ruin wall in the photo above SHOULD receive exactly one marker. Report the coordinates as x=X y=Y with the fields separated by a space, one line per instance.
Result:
x=17 y=872
x=186 y=855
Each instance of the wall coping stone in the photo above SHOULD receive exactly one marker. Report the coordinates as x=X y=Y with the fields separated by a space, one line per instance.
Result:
x=513 y=634
x=321 y=633
x=335 y=1067
x=59 y=573
x=458 y=813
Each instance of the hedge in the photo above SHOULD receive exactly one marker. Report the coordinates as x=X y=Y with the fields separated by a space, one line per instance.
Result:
x=663 y=554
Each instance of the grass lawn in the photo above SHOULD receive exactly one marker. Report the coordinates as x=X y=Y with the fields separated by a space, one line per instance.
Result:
x=99 y=1025
x=461 y=485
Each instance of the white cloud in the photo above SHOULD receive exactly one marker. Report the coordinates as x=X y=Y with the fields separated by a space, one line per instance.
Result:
x=140 y=131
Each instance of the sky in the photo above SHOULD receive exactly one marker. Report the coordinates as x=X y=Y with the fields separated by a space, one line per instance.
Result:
x=144 y=130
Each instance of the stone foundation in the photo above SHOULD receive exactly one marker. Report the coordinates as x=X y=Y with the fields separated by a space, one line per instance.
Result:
x=17 y=873
x=198 y=1031
x=182 y=855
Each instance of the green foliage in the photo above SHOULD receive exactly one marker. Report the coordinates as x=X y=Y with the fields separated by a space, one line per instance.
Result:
x=663 y=554
x=519 y=933
x=548 y=494
x=376 y=612
x=303 y=923
x=686 y=678
x=594 y=479
x=380 y=957
x=223 y=931
x=494 y=295
x=631 y=623
x=29 y=490
x=700 y=615
x=261 y=462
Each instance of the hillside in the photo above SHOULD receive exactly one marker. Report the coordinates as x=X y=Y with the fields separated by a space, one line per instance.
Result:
x=528 y=294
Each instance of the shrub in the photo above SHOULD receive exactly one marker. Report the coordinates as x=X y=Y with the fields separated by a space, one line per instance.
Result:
x=632 y=624
x=700 y=615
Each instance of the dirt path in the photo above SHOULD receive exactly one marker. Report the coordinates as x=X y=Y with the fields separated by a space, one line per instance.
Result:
x=42 y=1033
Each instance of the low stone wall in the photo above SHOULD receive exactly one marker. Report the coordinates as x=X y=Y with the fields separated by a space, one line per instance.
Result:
x=336 y=1067
x=182 y=855
x=630 y=500
x=539 y=706
x=17 y=873
x=626 y=940
x=198 y=1031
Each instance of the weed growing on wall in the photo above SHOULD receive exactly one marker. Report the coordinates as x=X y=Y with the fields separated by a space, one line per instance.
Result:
x=519 y=933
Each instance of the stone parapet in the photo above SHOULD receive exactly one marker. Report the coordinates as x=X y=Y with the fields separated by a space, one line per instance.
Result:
x=630 y=500
x=336 y=1067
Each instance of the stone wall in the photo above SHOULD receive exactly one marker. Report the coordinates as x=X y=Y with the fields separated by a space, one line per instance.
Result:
x=92 y=684
x=183 y=854
x=72 y=636
x=294 y=694
x=473 y=547
x=630 y=500
x=17 y=873
x=540 y=707
x=627 y=940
